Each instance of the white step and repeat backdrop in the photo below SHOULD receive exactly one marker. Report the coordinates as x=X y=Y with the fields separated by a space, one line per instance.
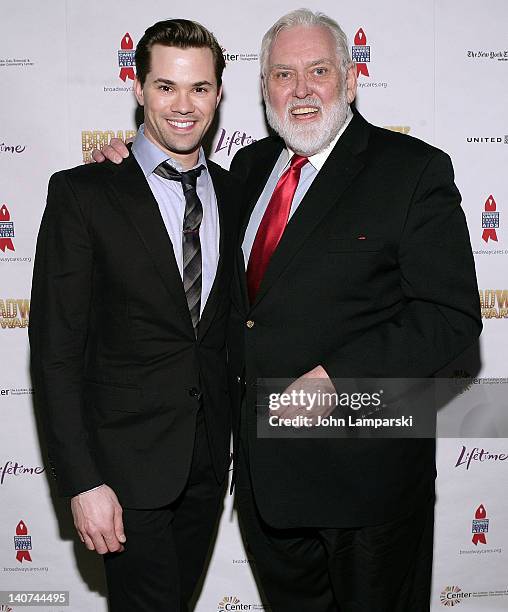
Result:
x=436 y=69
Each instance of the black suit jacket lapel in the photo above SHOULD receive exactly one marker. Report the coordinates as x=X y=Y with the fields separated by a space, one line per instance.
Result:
x=222 y=195
x=342 y=165
x=136 y=199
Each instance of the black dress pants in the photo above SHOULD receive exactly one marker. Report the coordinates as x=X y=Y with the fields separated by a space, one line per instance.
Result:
x=377 y=568
x=167 y=547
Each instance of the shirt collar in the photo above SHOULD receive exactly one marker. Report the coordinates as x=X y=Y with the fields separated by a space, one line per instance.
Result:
x=149 y=156
x=318 y=159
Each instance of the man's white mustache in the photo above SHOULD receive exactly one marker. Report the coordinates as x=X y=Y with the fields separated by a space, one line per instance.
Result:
x=305 y=102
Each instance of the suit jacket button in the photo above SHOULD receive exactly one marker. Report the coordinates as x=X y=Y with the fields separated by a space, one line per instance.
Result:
x=250 y=324
x=193 y=392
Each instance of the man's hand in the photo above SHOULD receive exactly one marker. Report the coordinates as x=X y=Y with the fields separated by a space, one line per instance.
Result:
x=98 y=520
x=115 y=151
x=308 y=391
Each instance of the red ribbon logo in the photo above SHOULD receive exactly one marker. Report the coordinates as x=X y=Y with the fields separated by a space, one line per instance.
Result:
x=490 y=232
x=361 y=41
x=24 y=541
x=5 y=243
x=480 y=515
x=127 y=72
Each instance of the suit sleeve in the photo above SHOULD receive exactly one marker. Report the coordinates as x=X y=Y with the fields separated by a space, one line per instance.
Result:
x=60 y=303
x=239 y=166
x=439 y=315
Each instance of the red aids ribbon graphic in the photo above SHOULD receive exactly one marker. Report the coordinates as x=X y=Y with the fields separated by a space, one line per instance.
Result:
x=22 y=530
x=5 y=243
x=490 y=206
x=361 y=40
x=480 y=514
x=127 y=72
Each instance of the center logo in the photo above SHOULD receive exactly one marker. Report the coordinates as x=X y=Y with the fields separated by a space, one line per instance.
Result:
x=451 y=596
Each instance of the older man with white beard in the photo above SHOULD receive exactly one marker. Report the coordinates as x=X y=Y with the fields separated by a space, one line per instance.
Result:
x=354 y=261
x=357 y=264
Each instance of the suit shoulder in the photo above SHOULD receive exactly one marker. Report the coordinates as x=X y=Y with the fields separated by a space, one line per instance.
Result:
x=403 y=145
x=85 y=174
x=258 y=147
x=226 y=177
x=218 y=169
x=247 y=156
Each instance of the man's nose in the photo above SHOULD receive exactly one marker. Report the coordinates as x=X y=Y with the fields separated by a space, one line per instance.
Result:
x=182 y=103
x=302 y=86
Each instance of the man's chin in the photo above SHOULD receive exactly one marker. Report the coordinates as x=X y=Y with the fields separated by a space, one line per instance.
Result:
x=304 y=142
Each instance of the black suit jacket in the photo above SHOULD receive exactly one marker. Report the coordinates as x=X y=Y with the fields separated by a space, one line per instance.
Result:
x=373 y=277
x=118 y=372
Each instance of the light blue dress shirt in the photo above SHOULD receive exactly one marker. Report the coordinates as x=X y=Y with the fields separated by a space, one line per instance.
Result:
x=171 y=201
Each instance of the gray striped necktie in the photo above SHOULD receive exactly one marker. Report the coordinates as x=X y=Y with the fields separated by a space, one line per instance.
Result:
x=190 y=235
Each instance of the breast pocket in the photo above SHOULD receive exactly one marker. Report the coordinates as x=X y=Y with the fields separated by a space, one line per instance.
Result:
x=365 y=265
x=351 y=245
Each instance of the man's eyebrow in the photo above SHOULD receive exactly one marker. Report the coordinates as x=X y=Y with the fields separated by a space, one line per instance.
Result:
x=323 y=60
x=170 y=82
x=165 y=81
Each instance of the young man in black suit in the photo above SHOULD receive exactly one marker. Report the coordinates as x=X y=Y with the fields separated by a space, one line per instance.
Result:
x=130 y=302
x=353 y=261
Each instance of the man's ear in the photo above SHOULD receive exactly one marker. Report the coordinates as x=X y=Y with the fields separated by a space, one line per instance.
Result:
x=263 y=86
x=219 y=96
x=351 y=82
x=138 y=92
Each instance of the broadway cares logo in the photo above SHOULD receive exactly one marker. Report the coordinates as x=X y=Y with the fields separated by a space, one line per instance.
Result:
x=480 y=526
x=6 y=230
x=126 y=60
x=361 y=55
x=126 y=65
x=232 y=603
x=22 y=543
x=490 y=220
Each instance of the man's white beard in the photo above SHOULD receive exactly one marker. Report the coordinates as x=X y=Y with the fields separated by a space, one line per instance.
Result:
x=309 y=139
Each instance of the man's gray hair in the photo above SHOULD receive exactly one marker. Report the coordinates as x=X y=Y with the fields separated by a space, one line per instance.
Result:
x=304 y=17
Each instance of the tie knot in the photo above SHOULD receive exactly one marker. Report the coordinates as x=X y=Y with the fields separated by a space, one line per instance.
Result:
x=188 y=178
x=297 y=162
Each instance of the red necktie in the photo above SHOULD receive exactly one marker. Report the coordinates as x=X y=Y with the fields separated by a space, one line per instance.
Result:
x=272 y=225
